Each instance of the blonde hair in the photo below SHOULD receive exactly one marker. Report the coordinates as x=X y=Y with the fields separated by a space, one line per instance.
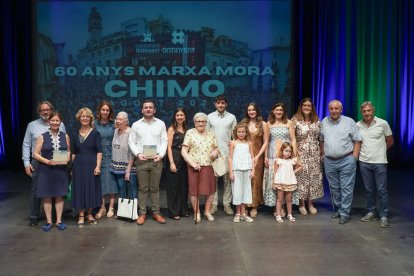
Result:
x=88 y=112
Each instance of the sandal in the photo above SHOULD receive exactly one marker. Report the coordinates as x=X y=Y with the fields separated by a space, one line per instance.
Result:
x=91 y=220
x=81 y=224
x=303 y=212
x=236 y=218
x=61 y=226
x=279 y=219
x=47 y=227
x=111 y=213
x=101 y=213
x=291 y=218
x=246 y=218
x=197 y=218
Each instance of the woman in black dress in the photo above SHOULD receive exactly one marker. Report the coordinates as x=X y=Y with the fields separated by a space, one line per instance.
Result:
x=52 y=175
x=177 y=186
x=87 y=156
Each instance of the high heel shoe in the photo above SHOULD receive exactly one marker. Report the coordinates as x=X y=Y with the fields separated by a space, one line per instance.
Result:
x=101 y=213
x=81 y=224
x=91 y=220
x=253 y=212
x=111 y=213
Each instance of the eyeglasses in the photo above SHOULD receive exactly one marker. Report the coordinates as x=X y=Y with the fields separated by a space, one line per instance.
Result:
x=201 y=122
x=45 y=110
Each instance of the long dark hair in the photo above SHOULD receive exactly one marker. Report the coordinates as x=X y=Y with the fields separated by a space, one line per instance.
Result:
x=174 y=122
x=272 y=117
x=299 y=115
x=111 y=111
x=259 y=118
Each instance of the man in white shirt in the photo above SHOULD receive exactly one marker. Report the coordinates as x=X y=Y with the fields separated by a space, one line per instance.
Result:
x=376 y=139
x=33 y=131
x=222 y=123
x=148 y=142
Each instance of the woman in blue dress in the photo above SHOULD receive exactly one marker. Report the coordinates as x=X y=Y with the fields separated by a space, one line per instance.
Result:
x=86 y=168
x=104 y=124
x=52 y=175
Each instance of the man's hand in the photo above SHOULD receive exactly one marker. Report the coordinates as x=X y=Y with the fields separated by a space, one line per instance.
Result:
x=29 y=170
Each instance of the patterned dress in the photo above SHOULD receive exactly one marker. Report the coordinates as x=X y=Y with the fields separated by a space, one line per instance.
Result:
x=278 y=135
x=257 y=180
x=108 y=183
x=310 y=183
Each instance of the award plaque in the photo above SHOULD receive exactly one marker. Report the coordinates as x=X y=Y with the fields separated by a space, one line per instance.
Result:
x=149 y=150
x=60 y=157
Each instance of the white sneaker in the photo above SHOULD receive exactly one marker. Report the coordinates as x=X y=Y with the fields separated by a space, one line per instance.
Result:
x=236 y=218
x=246 y=218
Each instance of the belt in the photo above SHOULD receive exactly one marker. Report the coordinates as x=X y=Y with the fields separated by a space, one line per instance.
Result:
x=340 y=157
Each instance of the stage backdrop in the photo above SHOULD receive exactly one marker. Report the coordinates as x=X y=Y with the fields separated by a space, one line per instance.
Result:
x=179 y=53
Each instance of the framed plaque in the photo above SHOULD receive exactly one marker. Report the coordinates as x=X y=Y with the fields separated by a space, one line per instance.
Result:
x=149 y=150
x=60 y=157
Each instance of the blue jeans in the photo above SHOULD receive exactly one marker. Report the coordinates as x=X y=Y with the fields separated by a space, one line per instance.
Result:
x=374 y=177
x=341 y=177
x=123 y=186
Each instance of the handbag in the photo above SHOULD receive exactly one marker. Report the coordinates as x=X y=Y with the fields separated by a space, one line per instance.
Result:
x=220 y=165
x=127 y=208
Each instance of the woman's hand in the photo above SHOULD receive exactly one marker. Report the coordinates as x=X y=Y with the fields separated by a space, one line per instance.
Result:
x=173 y=168
x=97 y=171
x=196 y=166
x=231 y=175
x=214 y=154
x=267 y=162
x=127 y=175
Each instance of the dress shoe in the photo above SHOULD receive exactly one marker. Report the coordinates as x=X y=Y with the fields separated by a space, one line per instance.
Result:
x=141 y=219
x=228 y=210
x=213 y=209
x=343 y=220
x=33 y=222
x=335 y=215
x=158 y=218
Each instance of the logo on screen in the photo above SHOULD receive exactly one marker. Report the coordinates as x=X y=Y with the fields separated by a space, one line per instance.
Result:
x=147 y=37
x=177 y=37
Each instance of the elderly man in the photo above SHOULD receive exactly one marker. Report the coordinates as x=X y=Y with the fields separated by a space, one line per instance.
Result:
x=376 y=139
x=148 y=141
x=222 y=123
x=33 y=131
x=340 y=145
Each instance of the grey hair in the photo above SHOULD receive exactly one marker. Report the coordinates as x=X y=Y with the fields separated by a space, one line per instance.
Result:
x=367 y=103
x=335 y=101
x=125 y=115
x=200 y=115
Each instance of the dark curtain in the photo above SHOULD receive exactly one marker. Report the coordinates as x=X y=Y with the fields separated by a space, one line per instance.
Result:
x=16 y=84
x=356 y=51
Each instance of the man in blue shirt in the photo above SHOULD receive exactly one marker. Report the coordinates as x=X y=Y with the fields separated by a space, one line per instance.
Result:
x=340 y=145
x=33 y=131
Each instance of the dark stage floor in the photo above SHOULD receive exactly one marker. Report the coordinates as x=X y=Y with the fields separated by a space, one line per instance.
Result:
x=313 y=245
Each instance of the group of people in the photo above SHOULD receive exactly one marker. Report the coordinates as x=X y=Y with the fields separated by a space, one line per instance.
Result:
x=277 y=163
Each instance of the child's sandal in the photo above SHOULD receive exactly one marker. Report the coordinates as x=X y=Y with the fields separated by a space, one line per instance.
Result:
x=279 y=219
x=290 y=217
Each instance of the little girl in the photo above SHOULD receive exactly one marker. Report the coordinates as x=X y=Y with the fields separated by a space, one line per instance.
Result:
x=285 y=182
x=241 y=171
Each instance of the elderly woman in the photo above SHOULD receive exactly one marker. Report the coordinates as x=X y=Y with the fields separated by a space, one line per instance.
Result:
x=105 y=126
x=52 y=176
x=199 y=150
x=123 y=161
x=86 y=168
x=308 y=127
x=177 y=186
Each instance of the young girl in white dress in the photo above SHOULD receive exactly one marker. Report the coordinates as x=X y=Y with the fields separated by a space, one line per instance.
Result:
x=285 y=182
x=241 y=170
